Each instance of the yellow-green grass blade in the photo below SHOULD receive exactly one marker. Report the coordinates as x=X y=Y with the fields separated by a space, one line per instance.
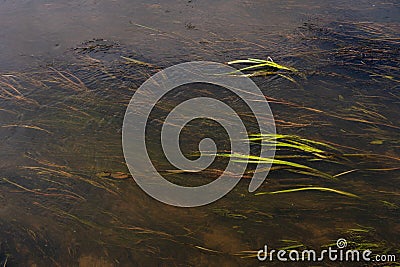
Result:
x=260 y=160
x=324 y=189
x=262 y=63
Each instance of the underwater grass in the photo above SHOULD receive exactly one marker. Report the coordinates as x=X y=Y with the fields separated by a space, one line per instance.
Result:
x=39 y=192
x=239 y=158
x=294 y=142
x=135 y=61
x=260 y=63
x=261 y=67
x=351 y=117
x=296 y=147
x=322 y=189
x=297 y=151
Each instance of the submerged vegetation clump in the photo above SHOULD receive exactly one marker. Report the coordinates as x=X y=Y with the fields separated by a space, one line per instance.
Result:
x=261 y=67
x=294 y=147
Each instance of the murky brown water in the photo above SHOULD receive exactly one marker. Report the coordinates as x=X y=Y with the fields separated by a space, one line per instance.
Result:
x=68 y=88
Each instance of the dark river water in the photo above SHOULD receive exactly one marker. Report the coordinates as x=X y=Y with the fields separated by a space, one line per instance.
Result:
x=66 y=198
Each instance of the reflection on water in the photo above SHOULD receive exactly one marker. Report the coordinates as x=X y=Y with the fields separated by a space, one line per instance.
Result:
x=64 y=89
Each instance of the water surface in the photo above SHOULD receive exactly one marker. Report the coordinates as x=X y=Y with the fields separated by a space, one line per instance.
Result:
x=61 y=129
